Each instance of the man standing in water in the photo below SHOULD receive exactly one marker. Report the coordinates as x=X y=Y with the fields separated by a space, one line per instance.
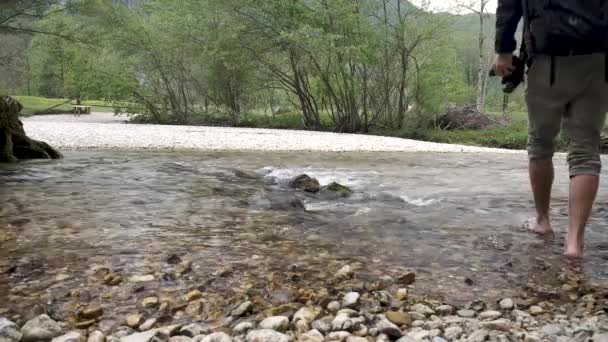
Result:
x=566 y=43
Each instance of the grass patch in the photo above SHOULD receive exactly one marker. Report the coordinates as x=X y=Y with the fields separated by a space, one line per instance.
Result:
x=513 y=137
x=34 y=105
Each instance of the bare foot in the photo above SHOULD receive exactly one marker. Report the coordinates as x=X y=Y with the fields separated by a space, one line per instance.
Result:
x=541 y=227
x=574 y=247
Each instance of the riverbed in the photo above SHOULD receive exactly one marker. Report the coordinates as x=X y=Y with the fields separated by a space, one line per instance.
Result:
x=228 y=224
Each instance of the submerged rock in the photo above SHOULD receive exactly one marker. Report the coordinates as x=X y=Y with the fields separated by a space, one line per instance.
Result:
x=466 y=313
x=148 y=324
x=501 y=324
x=552 y=330
x=134 y=320
x=150 y=302
x=407 y=278
x=242 y=309
x=506 y=304
x=193 y=295
x=402 y=294
x=490 y=315
x=445 y=310
x=141 y=278
x=40 y=329
x=90 y=313
x=399 y=318
x=423 y=309
x=9 y=332
x=345 y=272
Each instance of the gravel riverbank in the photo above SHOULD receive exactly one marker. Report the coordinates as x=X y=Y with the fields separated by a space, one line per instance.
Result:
x=106 y=131
x=366 y=315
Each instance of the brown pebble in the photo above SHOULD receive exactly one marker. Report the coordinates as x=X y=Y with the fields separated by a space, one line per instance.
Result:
x=134 y=320
x=90 y=313
x=112 y=279
x=407 y=278
x=399 y=318
x=193 y=295
x=150 y=302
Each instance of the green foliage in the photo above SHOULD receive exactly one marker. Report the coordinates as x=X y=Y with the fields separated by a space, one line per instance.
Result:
x=342 y=65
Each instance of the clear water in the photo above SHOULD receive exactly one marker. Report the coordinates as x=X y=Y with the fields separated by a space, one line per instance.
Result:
x=453 y=218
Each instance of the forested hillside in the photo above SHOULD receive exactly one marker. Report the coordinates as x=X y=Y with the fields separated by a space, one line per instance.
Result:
x=350 y=66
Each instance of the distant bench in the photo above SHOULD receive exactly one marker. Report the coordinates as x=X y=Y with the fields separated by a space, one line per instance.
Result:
x=82 y=110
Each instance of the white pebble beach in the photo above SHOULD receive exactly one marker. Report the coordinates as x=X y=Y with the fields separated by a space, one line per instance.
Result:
x=107 y=131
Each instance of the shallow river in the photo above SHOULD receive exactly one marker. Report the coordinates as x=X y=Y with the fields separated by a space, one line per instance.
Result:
x=454 y=219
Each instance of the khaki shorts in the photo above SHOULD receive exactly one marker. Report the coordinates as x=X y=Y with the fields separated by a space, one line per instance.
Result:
x=577 y=101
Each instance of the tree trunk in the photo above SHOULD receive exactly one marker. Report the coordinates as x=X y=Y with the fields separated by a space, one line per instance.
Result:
x=14 y=144
x=481 y=91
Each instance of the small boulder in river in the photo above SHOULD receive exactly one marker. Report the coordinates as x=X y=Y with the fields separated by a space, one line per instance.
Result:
x=9 y=332
x=40 y=329
x=305 y=183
